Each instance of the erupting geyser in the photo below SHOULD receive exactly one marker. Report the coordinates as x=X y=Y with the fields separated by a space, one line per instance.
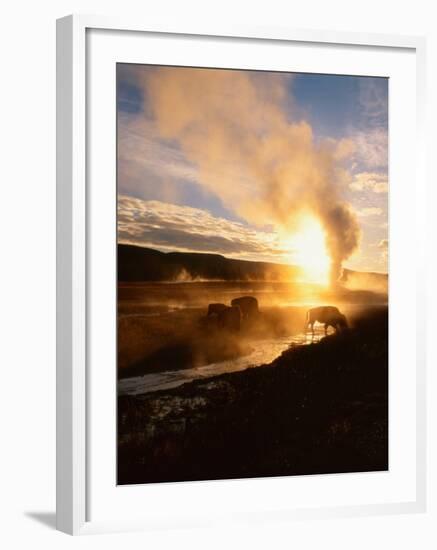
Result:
x=261 y=162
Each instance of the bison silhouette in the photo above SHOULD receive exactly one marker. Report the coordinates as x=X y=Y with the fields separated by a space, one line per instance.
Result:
x=327 y=315
x=230 y=319
x=216 y=309
x=248 y=306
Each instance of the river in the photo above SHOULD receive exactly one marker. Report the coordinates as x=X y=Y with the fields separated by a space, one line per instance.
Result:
x=264 y=352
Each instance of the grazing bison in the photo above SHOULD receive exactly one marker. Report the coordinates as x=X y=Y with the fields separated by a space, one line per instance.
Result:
x=248 y=306
x=328 y=315
x=215 y=309
x=230 y=318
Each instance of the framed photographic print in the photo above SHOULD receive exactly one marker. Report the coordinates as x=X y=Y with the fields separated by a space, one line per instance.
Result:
x=240 y=275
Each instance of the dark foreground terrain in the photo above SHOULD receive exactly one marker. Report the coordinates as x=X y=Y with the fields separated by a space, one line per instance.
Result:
x=321 y=408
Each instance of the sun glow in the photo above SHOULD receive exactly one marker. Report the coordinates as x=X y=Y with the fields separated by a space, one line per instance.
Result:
x=309 y=250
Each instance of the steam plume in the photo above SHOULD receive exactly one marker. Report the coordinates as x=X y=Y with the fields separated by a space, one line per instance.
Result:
x=237 y=128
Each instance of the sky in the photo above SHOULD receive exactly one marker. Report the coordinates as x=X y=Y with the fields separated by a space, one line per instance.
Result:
x=234 y=162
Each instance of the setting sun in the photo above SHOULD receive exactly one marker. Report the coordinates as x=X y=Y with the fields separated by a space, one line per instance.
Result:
x=309 y=250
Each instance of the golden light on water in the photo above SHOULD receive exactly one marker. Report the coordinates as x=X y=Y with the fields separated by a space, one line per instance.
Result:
x=309 y=250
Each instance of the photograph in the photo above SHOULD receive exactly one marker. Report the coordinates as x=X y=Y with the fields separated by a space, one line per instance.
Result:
x=252 y=273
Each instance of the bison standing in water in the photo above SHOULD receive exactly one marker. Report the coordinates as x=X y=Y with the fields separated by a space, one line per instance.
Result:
x=327 y=315
x=216 y=309
x=230 y=318
x=248 y=306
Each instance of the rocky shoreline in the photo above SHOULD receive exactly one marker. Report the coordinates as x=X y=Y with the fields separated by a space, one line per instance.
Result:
x=321 y=408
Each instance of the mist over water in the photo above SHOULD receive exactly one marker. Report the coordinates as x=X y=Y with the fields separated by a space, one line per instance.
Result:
x=159 y=327
x=199 y=294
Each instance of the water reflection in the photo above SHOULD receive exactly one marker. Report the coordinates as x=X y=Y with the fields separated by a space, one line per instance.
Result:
x=264 y=353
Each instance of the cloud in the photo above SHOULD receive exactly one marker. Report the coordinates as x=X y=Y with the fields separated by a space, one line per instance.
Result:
x=383 y=246
x=344 y=148
x=140 y=152
x=373 y=98
x=369 y=181
x=170 y=227
x=369 y=211
x=371 y=149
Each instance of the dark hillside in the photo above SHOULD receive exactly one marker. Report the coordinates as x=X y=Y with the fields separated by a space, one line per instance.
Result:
x=136 y=264
x=145 y=264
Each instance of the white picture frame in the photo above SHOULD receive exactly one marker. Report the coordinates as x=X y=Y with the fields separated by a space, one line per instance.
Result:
x=73 y=276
